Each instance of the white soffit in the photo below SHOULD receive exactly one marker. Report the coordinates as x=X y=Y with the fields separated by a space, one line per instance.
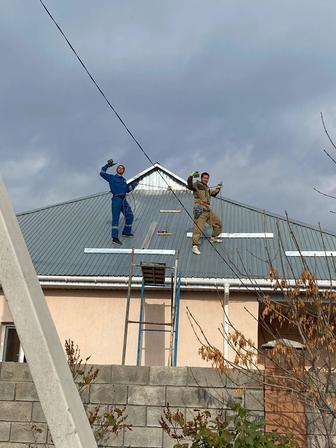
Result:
x=310 y=253
x=241 y=235
x=108 y=250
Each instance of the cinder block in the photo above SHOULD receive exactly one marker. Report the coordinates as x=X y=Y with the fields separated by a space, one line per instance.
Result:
x=197 y=397
x=36 y=445
x=28 y=432
x=146 y=395
x=130 y=375
x=192 y=412
x=248 y=379
x=38 y=414
x=12 y=411
x=85 y=395
x=174 y=376
x=15 y=371
x=168 y=442
x=206 y=377
x=112 y=439
x=316 y=424
x=7 y=390
x=4 y=431
x=144 y=437
x=258 y=415
x=91 y=408
x=26 y=392
x=136 y=415
x=104 y=373
x=155 y=413
x=108 y=393
x=254 y=400
x=14 y=445
x=153 y=416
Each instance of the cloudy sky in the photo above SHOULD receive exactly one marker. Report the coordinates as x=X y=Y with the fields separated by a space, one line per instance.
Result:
x=232 y=87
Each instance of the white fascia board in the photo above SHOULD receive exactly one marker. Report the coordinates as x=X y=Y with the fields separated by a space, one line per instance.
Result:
x=157 y=165
x=310 y=253
x=240 y=235
x=108 y=250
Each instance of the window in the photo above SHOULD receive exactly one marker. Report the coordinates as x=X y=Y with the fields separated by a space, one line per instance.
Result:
x=10 y=343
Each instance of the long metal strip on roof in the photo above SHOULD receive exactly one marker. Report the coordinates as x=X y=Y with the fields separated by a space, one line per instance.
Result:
x=108 y=250
x=241 y=235
x=310 y=253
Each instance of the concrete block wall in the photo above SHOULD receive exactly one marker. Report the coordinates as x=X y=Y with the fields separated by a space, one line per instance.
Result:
x=144 y=391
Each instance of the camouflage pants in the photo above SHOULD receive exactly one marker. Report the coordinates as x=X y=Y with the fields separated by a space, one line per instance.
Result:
x=207 y=216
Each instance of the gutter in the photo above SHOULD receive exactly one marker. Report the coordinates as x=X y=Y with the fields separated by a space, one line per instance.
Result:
x=109 y=282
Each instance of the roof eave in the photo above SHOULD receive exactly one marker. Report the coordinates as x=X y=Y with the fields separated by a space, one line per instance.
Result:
x=121 y=282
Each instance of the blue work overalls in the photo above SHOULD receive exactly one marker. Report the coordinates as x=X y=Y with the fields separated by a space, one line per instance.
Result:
x=119 y=188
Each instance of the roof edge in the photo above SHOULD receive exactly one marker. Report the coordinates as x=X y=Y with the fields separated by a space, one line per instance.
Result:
x=160 y=167
x=211 y=283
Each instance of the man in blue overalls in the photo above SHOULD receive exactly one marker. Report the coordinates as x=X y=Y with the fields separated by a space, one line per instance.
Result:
x=119 y=189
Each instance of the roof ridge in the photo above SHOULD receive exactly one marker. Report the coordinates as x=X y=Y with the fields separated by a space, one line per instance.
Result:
x=157 y=166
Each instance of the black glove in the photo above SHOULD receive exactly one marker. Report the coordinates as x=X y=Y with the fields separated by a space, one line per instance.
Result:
x=110 y=163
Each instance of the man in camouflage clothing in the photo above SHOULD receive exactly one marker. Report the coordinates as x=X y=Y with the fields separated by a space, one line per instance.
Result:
x=202 y=209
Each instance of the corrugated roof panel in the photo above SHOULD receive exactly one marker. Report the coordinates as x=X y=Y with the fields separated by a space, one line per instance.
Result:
x=56 y=237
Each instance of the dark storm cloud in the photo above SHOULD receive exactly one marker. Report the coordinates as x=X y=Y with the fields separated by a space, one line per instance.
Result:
x=232 y=87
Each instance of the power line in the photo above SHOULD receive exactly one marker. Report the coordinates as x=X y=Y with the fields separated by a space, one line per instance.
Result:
x=127 y=129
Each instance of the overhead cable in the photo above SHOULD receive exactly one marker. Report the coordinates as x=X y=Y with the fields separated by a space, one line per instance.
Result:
x=233 y=268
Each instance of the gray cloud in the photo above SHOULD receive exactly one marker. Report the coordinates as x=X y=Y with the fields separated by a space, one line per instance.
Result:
x=235 y=88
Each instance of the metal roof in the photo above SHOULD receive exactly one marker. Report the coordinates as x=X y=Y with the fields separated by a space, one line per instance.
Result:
x=57 y=236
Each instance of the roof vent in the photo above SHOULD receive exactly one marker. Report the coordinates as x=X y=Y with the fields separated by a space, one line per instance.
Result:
x=153 y=273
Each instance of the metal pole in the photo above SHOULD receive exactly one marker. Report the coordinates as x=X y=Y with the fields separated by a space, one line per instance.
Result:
x=127 y=307
x=177 y=317
x=226 y=320
x=140 y=323
x=170 y=356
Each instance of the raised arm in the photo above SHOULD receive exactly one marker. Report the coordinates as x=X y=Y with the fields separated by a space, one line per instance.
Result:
x=132 y=186
x=216 y=190
x=104 y=168
x=191 y=185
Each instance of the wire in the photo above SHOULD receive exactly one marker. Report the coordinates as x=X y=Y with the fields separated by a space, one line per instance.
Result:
x=96 y=83
x=129 y=131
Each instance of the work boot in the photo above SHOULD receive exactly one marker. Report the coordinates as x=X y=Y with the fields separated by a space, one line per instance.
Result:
x=195 y=250
x=127 y=234
x=215 y=239
x=116 y=241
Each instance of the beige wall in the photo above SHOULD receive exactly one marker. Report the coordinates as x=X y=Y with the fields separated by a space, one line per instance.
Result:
x=94 y=319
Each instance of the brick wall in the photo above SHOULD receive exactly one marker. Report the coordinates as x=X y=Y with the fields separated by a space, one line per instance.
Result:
x=142 y=390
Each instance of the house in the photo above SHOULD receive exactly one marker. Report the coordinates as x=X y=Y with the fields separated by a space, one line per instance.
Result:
x=86 y=286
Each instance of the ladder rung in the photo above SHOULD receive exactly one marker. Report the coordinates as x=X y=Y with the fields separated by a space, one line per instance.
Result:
x=153 y=329
x=148 y=323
